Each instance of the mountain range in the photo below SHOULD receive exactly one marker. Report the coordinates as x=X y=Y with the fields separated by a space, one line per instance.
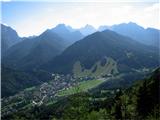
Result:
x=80 y=52
x=35 y=51
x=32 y=52
x=149 y=36
x=87 y=30
x=108 y=49
x=67 y=33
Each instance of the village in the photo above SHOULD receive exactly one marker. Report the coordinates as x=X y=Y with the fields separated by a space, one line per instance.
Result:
x=42 y=94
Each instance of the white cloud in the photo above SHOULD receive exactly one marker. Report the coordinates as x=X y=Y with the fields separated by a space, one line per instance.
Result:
x=149 y=16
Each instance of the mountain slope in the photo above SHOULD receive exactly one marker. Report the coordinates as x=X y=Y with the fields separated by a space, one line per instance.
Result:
x=126 y=54
x=148 y=95
x=13 y=81
x=67 y=33
x=103 y=27
x=147 y=36
x=33 y=52
x=9 y=37
x=86 y=30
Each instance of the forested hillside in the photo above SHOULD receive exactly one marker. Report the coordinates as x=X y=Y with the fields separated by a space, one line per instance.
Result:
x=140 y=101
x=13 y=81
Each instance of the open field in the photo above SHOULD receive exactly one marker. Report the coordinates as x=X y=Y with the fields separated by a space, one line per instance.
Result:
x=97 y=69
x=82 y=86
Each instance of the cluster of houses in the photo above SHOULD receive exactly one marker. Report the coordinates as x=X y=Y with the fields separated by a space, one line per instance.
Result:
x=41 y=94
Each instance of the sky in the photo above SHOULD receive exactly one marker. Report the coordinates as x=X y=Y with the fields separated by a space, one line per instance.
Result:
x=32 y=17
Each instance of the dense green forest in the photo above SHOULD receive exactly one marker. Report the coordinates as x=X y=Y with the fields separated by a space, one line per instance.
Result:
x=14 y=81
x=140 y=101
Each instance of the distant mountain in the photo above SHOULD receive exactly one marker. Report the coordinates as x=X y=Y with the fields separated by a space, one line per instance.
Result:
x=71 y=29
x=88 y=29
x=32 y=52
x=9 y=37
x=29 y=37
x=67 y=33
x=103 y=27
x=103 y=53
x=13 y=81
x=147 y=36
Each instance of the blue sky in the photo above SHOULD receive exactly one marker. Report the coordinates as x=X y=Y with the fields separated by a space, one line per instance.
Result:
x=32 y=18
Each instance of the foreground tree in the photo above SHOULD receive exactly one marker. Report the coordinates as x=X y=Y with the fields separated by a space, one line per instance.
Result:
x=118 y=106
x=78 y=107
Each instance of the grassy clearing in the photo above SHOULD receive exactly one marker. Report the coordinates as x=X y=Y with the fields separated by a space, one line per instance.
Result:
x=30 y=88
x=109 y=68
x=82 y=86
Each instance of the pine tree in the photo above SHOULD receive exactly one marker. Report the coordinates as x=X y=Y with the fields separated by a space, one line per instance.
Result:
x=118 y=106
x=78 y=107
x=143 y=100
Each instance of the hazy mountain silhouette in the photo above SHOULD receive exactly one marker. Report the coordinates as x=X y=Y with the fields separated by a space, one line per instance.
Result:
x=67 y=33
x=147 y=36
x=9 y=37
x=33 y=52
x=103 y=27
x=88 y=29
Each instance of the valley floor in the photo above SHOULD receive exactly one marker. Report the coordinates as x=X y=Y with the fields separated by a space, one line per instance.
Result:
x=60 y=87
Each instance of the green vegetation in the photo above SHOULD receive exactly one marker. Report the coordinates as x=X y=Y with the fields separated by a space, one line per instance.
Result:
x=141 y=101
x=29 y=65
x=81 y=87
x=14 y=81
x=125 y=52
x=30 y=88
x=98 y=69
